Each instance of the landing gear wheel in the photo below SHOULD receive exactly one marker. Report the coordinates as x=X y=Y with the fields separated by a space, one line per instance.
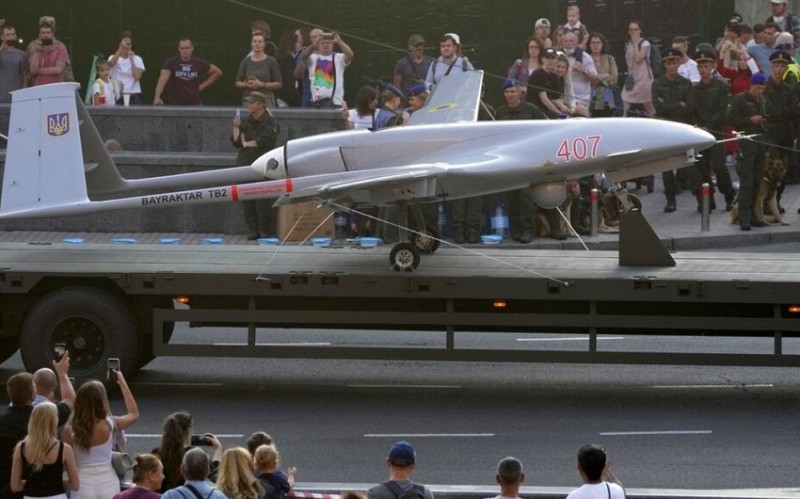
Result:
x=404 y=257
x=94 y=324
x=427 y=242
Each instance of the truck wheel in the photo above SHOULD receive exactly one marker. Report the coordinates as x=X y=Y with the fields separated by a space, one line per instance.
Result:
x=8 y=348
x=94 y=324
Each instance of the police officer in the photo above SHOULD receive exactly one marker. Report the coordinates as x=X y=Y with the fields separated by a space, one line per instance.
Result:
x=711 y=103
x=746 y=114
x=781 y=107
x=673 y=99
x=521 y=208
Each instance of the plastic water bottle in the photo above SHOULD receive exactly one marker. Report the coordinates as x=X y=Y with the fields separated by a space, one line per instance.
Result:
x=340 y=223
x=500 y=220
x=441 y=220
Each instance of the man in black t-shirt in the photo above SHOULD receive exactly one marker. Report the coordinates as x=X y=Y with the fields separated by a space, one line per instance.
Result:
x=184 y=73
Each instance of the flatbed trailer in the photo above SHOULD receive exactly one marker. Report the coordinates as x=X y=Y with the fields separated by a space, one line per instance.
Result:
x=110 y=300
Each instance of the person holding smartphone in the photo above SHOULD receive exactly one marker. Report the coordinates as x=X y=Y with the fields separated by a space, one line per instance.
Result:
x=176 y=439
x=48 y=60
x=92 y=437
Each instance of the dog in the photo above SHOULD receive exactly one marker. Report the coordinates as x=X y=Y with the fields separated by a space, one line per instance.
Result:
x=771 y=178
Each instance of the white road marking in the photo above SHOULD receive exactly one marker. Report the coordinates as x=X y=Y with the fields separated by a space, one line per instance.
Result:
x=428 y=435
x=162 y=383
x=754 y=385
x=158 y=435
x=424 y=387
x=663 y=432
x=290 y=344
x=580 y=338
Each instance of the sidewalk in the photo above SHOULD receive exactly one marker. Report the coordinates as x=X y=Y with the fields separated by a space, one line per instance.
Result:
x=681 y=230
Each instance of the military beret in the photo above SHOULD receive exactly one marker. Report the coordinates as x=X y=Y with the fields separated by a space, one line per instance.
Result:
x=418 y=89
x=758 y=79
x=393 y=89
x=510 y=83
x=256 y=97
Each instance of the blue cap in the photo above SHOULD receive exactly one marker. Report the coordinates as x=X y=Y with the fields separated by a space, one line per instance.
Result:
x=758 y=79
x=390 y=87
x=418 y=89
x=510 y=82
x=402 y=454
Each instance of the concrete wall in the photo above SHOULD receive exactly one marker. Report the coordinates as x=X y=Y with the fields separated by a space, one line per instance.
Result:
x=170 y=140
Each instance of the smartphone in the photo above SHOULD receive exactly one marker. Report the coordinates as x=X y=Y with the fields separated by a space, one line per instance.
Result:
x=200 y=441
x=113 y=368
x=59 y=349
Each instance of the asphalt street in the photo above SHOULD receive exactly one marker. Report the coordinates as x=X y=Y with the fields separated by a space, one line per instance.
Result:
x=664 y=426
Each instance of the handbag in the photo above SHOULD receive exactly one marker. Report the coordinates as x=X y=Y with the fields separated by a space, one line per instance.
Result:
x=629 y=82
x=122 y=462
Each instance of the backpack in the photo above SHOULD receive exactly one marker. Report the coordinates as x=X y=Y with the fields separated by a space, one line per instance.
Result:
x=415 y=492
x=656 y=64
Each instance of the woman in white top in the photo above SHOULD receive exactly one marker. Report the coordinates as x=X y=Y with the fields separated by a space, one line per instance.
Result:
x=90 y=431
x=127 y=69
x=363 y=116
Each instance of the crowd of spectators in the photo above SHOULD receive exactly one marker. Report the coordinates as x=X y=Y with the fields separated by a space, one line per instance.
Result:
x=565 y=70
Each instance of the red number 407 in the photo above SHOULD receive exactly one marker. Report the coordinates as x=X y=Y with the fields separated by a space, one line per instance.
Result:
x=579 y=148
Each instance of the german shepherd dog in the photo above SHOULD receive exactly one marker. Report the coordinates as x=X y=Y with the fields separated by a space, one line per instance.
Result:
x=771 y=178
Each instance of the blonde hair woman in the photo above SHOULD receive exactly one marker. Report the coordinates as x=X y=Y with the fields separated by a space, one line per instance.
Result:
x=40 y=459
x=236 y=479
x=91 y=431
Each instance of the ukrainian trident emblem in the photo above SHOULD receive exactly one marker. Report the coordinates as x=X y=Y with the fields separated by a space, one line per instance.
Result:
x=57 y=124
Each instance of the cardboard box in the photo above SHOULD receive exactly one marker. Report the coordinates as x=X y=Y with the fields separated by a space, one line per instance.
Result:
x=311 y=218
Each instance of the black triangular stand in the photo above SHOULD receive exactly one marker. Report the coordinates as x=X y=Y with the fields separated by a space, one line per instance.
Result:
x=639 y=246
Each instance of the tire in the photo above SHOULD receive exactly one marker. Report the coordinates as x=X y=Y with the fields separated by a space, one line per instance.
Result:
x=404 y=257
x=424 y=243
x=8 y=347
x=94 y=324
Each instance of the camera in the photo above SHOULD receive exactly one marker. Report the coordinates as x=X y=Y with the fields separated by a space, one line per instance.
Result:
x=200 y=441
x=113 y=368
x=59 y=349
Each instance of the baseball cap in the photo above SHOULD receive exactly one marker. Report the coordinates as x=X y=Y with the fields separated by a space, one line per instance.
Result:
x=778 y=1
x=256 y=97
x=402 y=454
x=415 y=40
x=541 y=22
x=550 y=53
x=454 y=37
x=758 y=79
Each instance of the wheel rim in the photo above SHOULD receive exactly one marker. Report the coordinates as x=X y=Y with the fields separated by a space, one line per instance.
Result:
x=404 y=258
x=424 y=242
x=85 y=342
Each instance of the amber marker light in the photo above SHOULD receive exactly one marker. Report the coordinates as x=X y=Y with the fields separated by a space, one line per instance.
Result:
x=794 y=309
x=182 y=299
x=499 y=304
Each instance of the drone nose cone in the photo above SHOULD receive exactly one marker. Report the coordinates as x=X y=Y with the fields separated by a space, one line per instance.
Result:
x=699 y=139
x=271 y=165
